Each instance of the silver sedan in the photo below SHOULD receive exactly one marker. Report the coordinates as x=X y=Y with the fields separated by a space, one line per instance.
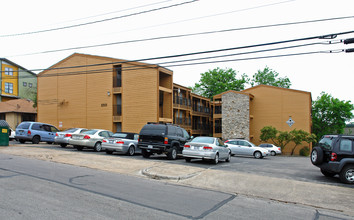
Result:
x=62 y=138
x=124 y=142
x=209 y=148
x=244 y=147
x=90 y=139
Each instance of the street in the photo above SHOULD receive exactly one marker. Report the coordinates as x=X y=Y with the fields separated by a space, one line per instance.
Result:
x=35 y=189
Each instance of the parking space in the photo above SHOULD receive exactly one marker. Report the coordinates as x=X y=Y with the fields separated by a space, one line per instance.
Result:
x=292 y=168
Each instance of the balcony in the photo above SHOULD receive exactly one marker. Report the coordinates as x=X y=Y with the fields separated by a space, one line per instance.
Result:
x=117 y=113
x=201 y=111
x=182 y=103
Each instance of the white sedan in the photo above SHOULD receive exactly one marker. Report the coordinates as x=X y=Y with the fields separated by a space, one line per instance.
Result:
x=274 y=150
x=208 y=148
x=244 y=147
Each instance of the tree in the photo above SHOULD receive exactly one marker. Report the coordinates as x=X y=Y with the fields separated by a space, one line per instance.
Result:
x=219 y=80
x=279 y=138
x=329 y=115
x=299 y=136
x=269 y=77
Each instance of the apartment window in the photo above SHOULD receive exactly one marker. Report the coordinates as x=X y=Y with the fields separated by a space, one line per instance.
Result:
x=24 y=84
x=9 y=71
x=30 y=85
x=117 y=81
x=9 y=88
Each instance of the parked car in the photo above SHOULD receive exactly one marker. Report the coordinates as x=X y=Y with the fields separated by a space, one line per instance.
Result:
x=206 y=148
x=244 y=147
x=35 y=132
x=89 y=139
x=62 y=138
x=124 y=142
x=334 y=154
x=163 y=138
x=274 y=150
x=12 y=134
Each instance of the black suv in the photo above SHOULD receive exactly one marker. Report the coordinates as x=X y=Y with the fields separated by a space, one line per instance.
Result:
x=161 y=138
x=334 y=154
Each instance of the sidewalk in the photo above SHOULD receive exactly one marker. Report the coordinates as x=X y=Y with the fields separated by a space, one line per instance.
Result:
x=283 y=190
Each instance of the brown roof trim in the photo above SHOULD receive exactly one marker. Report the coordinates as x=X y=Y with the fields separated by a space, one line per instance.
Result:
x=275 y=87
x=233 y=91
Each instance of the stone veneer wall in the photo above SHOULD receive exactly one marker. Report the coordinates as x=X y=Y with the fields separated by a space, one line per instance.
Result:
x=235 y=116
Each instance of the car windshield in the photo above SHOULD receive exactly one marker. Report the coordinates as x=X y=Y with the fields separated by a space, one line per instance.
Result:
x=326 y=142
x=90 y=132
x=153 y=129
x=70 y=130
x=207 y=140
x=119 y=135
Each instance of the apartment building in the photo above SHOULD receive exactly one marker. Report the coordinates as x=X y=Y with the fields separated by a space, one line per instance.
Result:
x=16 y=82
x=101 y=92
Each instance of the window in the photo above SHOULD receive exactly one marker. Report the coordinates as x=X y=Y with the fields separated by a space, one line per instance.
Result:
x=30 y=85
x=179 y=132
x=24 y=84
x=8 y=71
x=9 y=88
x=345 y=145
x=37 y=127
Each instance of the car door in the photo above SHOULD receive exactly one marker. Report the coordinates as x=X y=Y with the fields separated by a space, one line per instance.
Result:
x=52 y=132
x=245 y=147
x=224 y=151
x=233 y=145
x=40 y=130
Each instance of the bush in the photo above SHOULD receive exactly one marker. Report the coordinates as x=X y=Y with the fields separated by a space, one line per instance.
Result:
x=305 y=151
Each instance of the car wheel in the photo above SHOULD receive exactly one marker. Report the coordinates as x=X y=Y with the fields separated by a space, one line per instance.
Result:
x=63 y=145
x=257 y=155
x=131 y=151
x=22 y=141
x=228 y=158
x=346 y=175
x=173 y=154
x=316 y=156
x=36 y=139
x=273 y=153
x=97 y=147
x=109 y=152
x=326 y=173
x=79 y=148
x=188 y=159
x=145 y=153
x=216 y=159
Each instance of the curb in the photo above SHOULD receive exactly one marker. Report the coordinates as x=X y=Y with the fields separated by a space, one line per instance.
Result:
x=166 y=177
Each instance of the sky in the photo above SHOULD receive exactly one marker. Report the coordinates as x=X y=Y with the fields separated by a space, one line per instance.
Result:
x=83 y=23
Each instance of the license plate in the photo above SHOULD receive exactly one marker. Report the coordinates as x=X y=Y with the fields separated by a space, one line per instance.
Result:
x=61 y=135
x=111 y=142
x=150 y=146
x=192 y=147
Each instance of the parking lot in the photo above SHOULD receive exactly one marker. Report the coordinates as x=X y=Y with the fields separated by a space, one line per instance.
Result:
x=285 y=167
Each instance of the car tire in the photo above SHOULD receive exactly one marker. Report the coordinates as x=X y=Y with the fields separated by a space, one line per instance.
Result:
x=131 y=151
x=346 y=175
x=79 y=148
x=97 y=147
x=188 y=159
x=109 y=152
x=316 y=156
x=216 y=159
x=173 y=154
x=63 y=145
x=21 y=141
x=273 y=153
x=228 y=158
x=326 y=173
x=145 y=153
x=36 y=139
x=257 y=155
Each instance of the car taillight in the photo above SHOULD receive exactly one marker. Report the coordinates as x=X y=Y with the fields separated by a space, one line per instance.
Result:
x=226 y=141
x=207 y=148
x=333 y=157
x=29 y=132
x=187 y=146
x=87 y=137
x=166 y=140
x=279 y=148
x=56 y=134
x=119 y=142
x=68 y=135
x=104 y=141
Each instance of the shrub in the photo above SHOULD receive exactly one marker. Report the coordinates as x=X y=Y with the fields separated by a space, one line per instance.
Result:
x=305 y=151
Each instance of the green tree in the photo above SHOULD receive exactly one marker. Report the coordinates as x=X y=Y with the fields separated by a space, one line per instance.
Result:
x=329 y=115
x=299 y=136
x=219 y=80
x=279 y=138
x=270 y=77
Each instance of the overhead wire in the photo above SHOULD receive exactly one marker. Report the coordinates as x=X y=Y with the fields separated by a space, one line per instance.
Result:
x=98 y=21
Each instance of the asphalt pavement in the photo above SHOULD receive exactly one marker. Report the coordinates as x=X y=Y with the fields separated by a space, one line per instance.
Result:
x=321 y=196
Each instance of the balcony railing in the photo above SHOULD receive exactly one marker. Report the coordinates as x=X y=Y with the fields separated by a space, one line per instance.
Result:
x=117 y=110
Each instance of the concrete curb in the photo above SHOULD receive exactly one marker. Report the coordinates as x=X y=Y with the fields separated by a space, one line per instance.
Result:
x=147 y=172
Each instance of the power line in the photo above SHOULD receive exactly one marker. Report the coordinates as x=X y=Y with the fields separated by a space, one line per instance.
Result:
x=98 y=21
x=188 y=35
